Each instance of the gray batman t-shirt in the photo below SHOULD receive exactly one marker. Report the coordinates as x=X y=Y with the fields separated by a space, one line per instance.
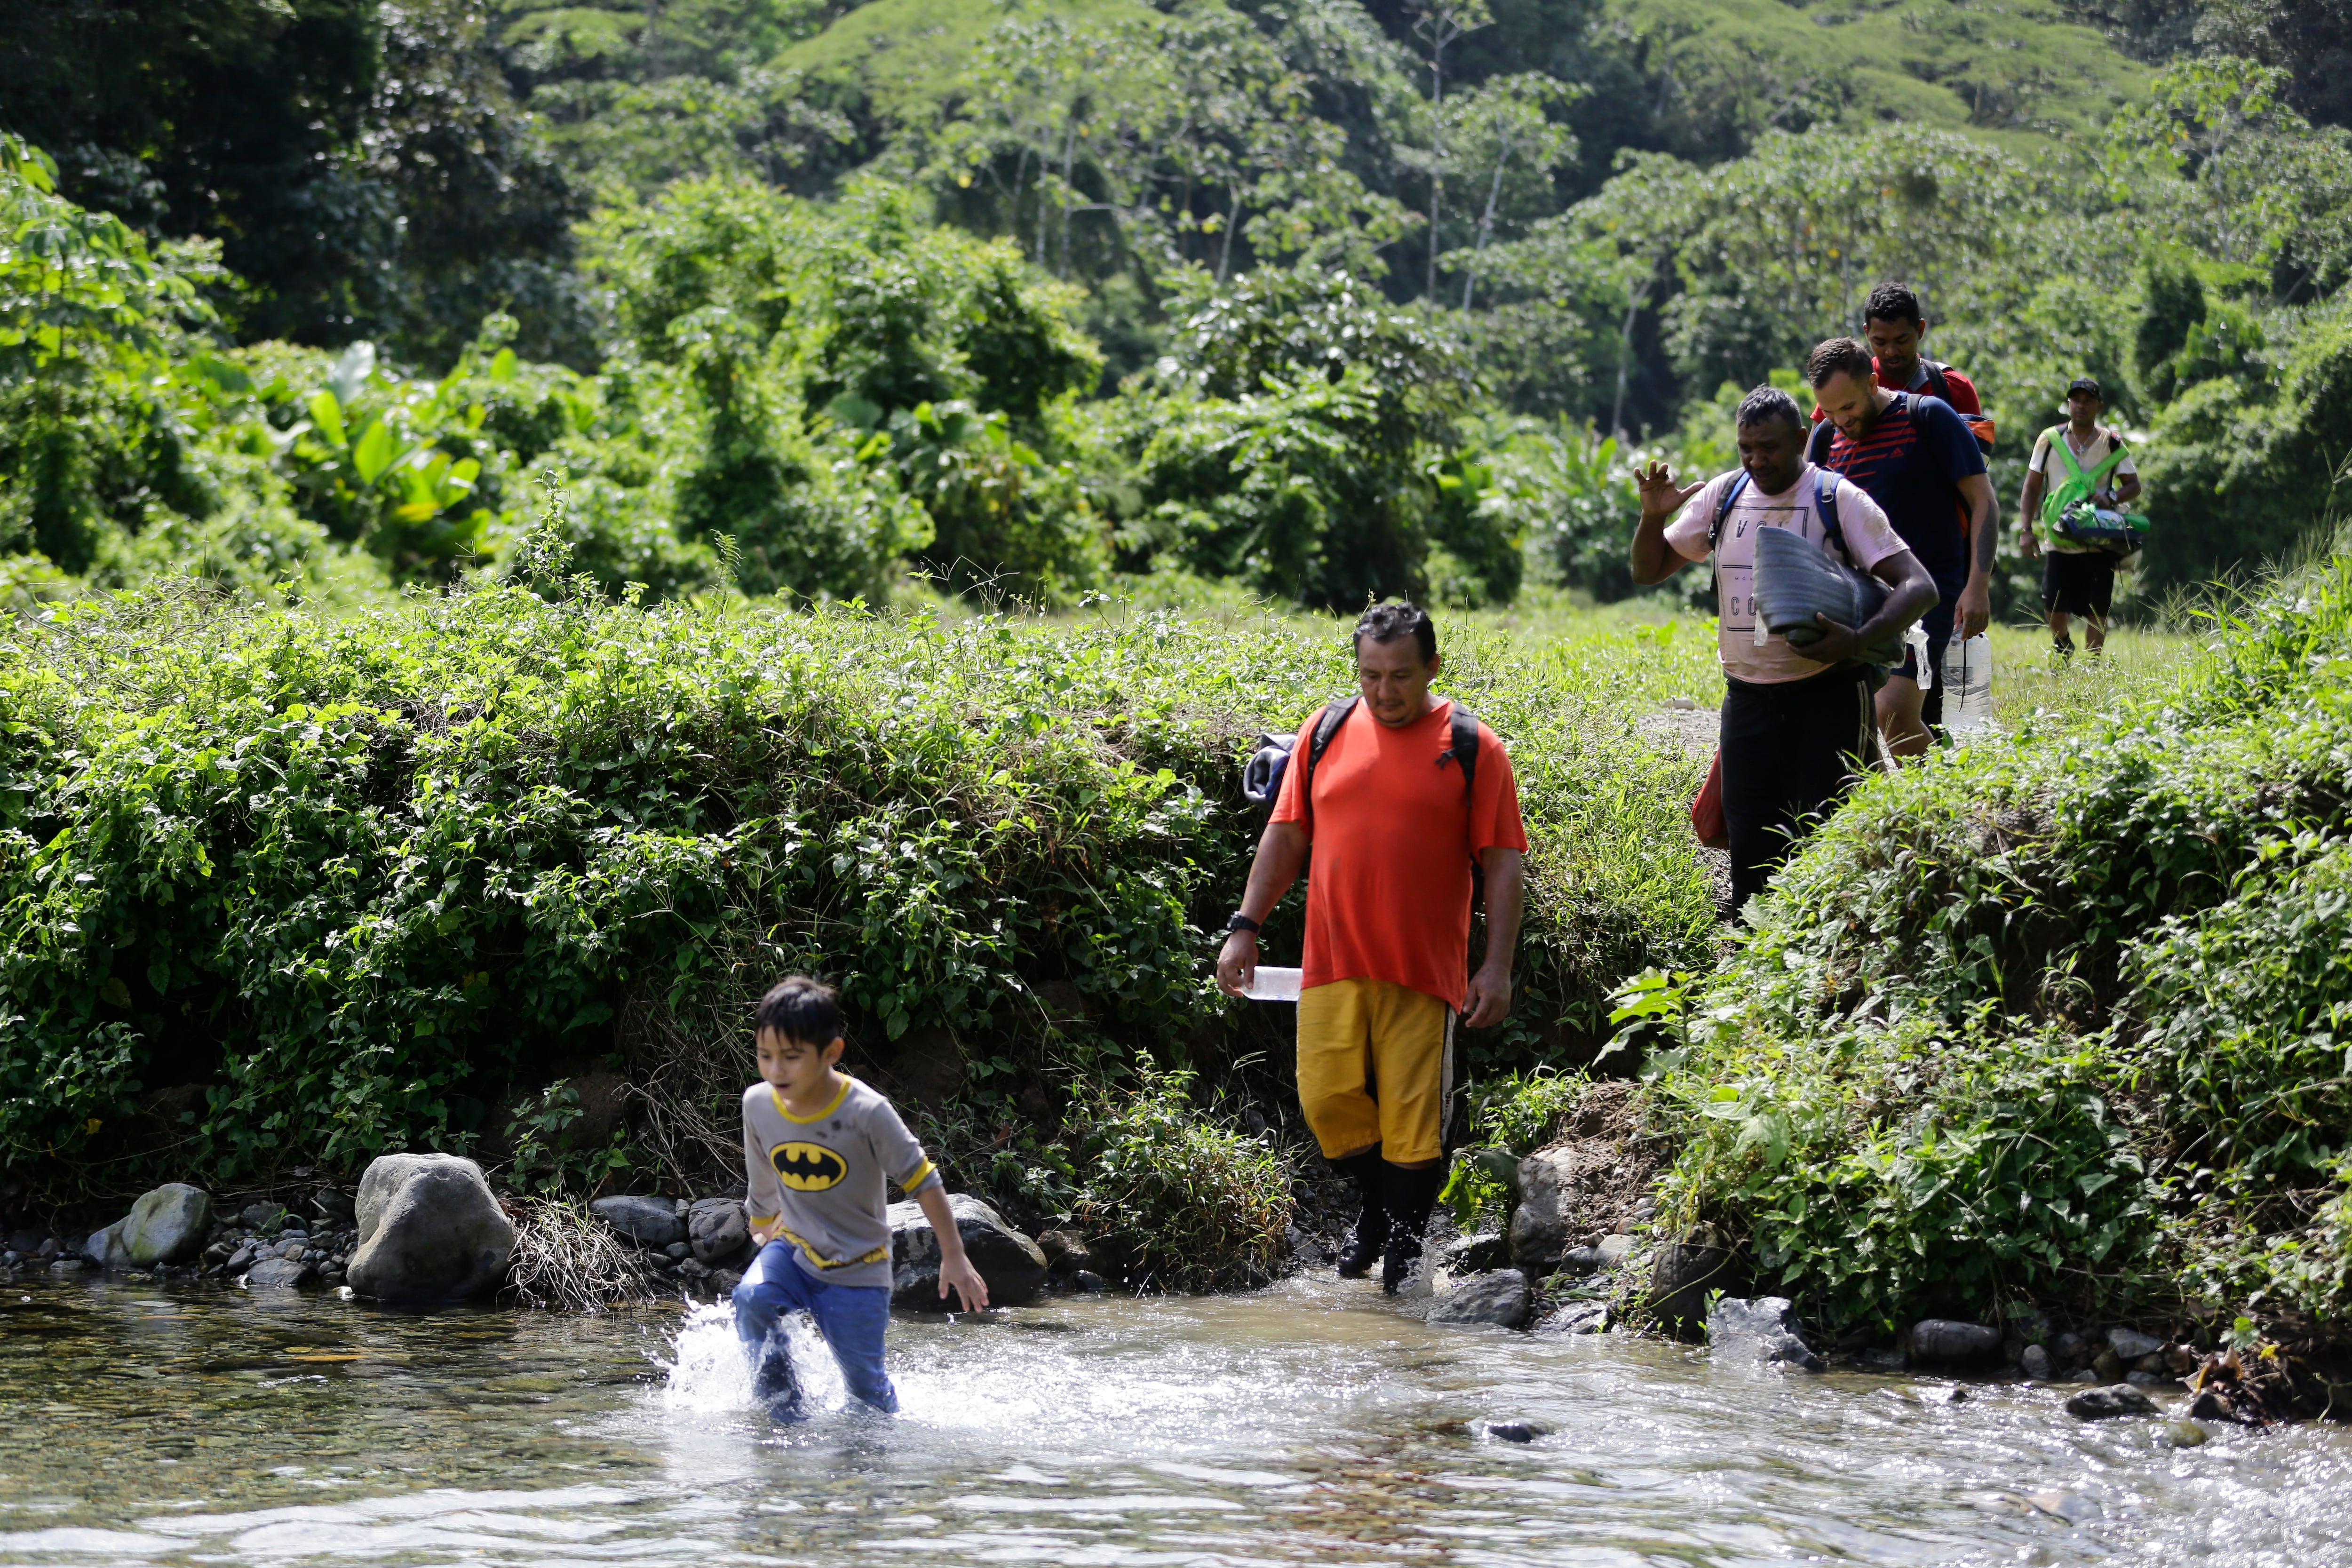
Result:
x=824 y=1176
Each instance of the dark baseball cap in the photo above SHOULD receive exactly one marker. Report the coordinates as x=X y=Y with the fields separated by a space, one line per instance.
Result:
x=2085 y=383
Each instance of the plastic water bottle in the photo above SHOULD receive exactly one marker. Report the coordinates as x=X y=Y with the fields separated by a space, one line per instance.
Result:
x=1967 y=685
x=1274 y=985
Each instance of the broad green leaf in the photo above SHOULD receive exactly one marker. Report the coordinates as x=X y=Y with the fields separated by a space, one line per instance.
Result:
x=373 y=453
x=326 y=416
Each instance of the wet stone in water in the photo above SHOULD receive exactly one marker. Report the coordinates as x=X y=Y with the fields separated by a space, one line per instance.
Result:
x=1498 y=1300
x=1941 y=1341
x=2108 y=1402
x=1575 y=1318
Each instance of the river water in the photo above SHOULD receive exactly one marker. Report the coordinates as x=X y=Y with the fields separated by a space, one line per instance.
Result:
x=1311 y=1421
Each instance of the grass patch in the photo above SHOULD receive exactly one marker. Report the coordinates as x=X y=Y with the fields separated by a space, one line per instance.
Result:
x=1180 y=1197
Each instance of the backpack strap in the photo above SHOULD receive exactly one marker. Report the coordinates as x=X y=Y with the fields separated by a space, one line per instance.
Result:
x=1825 y=487
x=1327 y=724
x=1939 y=380
x=1723 y=510
x=1731 y=492
x=1463 y=747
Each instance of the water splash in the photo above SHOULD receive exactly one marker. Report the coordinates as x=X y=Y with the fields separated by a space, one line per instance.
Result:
x=707 y=1373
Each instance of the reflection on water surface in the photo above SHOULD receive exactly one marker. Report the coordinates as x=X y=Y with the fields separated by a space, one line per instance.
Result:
x=1310 y=1422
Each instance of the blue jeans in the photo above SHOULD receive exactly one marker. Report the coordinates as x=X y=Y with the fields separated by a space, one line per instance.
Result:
x=851 y=1318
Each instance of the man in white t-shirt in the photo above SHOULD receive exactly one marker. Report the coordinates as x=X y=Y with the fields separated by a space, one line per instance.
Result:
x=2077 y=579
x=1797 y=722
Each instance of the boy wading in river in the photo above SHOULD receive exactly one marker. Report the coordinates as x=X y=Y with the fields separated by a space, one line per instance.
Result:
x=818 y=1145
x=1397 y=818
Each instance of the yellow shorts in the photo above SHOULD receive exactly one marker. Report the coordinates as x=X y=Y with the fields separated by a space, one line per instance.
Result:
x=1375 y=1065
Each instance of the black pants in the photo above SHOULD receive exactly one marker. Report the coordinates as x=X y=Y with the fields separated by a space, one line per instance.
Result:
x=1790 y=751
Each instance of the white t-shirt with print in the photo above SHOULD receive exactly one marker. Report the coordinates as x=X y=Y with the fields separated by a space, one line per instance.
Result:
x=1869 y=540
x=2053 y=469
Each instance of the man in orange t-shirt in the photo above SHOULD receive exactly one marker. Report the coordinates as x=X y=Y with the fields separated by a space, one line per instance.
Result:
x=1395 y=834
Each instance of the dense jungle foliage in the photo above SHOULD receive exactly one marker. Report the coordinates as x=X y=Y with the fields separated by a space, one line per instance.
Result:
x=1305 y=298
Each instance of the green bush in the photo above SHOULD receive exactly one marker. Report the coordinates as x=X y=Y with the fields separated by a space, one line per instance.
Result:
x=2244 y=464
x=359 y=878
x=1190 y=1202
x=2056 y=1020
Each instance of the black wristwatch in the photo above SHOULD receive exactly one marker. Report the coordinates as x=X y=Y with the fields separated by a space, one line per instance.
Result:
x=1240 y=921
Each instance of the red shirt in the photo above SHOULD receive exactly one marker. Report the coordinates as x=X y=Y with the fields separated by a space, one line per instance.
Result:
x=1387 y=889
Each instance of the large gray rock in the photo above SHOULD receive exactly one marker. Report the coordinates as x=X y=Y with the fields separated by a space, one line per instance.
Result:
x=718 y=1230
x=2130 y=1344
x=1762 y=1330
x=648 y=1222
x=1941 y=1341
x=1499 y=1298
x=429 y=1231
x=1687 y=1272
x=1542 y=1224
x=1012 y=1265
x=169 y=1224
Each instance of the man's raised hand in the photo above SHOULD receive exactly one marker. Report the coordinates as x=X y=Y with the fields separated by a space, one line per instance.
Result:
x=1661 y=497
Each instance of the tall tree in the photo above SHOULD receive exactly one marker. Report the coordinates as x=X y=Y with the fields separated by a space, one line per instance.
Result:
x=1440 y=25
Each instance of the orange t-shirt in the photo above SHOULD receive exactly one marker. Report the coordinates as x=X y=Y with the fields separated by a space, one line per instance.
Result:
x=1387 y=889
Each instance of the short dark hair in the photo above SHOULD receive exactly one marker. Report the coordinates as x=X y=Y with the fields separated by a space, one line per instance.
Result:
x=1893 y=302
x=1850 y=356
x=799 y=1008
x=1765 y=404
x=1386 y=623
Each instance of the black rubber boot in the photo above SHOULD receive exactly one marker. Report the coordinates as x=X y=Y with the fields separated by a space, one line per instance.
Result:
x=1411 y=1195
x=1371 y=1238
x=775 y=1386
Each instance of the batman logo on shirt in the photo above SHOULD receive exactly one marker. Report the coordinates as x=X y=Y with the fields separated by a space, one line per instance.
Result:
x=807 y=1167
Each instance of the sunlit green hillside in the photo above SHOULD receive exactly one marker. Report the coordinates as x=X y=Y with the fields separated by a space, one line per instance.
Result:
x=2022 y=73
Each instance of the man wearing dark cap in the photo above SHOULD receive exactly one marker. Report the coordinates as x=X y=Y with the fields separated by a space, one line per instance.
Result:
x=2077 y=579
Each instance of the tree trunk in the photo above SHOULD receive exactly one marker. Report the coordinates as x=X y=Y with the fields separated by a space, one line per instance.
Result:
x=1486 y=226
x=1232 y=221
x=1625 y=349
x=1069 y=167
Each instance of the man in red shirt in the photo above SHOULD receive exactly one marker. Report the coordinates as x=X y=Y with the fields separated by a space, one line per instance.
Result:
x=1395 y=834
x=1894 y=329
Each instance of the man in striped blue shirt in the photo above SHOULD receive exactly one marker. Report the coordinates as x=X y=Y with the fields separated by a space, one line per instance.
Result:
x=1919 y=461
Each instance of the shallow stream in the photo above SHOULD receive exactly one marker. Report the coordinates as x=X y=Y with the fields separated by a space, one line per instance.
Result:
x=1311 y=1421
